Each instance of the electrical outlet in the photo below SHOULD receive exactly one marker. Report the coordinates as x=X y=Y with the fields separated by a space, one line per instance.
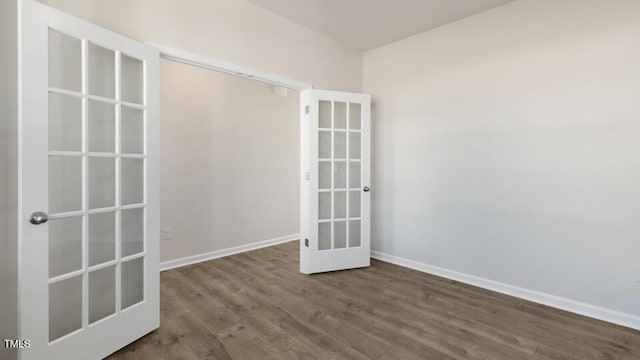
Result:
x=375 y=226
x=165 y=233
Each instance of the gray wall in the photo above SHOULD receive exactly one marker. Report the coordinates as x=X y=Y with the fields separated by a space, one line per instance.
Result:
x=230 y=161
x=8 y=173
x=506 y=146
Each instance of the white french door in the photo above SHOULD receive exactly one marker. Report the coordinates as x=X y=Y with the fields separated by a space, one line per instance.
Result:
x=335 y=197
x=89 y=274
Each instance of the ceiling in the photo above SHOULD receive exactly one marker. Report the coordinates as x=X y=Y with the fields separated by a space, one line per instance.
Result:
x=367 y=24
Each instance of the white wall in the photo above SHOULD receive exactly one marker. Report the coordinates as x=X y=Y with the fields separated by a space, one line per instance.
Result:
x=8 y=174
x=506 y=146
x=229 y=163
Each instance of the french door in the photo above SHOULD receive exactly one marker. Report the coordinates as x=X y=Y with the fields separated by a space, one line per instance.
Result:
x=89 y=275
x=335 y=197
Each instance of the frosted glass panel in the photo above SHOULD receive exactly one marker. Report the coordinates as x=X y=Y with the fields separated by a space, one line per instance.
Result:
x=132 y=133
x=340 y=150
x=325 y=115
x=324 y=206
x=65 y=62
x=102 y=237
x=354 y=175
x=132 y=282
x=65 y=123
x=132 y=181
x=324 y=236
x=355 y=116
x=324 y=178
x=340 y=235
x=102 y=184
x=65 y=245
x=354 y=204
x=65 y=307
x=102 y=127
x=324 y=145
x=132 y=79
x=132 y=231
x=340 y=120
x=355 y=229
x=65 y=184
x=340 y=175
x=102 y=293
x=355 y=146
x=340 y=205
x=101 y=72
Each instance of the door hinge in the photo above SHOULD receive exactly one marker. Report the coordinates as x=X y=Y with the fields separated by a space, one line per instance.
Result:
x=306 y=109
x=306 y=176
x=306 y=242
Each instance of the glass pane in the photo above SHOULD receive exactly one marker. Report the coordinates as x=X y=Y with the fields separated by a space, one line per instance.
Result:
x=65 y=123
x=132 y=79
x=324 y=146
x=340 y=235
x=65 y=245
x=102 y=293
x=340 y=205
x=132 y=231
x=324 y=121
x=65 y=62
x=102 y=127
x=65 y=184
x=324 y=205
x=355 y=229
x=132 y=133
x=340 y=175
x=324 y=178
x=340 y=120
x=102 y=183
x=102 y=238
x=340 y=150
x=354 y=204
x=102 y=73
x=355 y=146
x=354 y=175
x=132 y=281
x=65 y=307
x=132 y=181
x=324 y=236
x=355 y=116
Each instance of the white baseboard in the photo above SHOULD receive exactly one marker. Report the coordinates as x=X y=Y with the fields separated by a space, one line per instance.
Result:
x=172 y=264
x=612 y=316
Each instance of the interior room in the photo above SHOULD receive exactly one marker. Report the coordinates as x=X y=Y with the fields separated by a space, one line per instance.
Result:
x=286 y=179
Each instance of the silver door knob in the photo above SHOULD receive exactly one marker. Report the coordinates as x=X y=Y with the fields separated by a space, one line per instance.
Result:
x=38 y=218
x=366 y=189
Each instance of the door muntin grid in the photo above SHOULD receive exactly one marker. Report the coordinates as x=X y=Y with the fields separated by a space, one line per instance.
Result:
x=340 y=195
x=97 y=183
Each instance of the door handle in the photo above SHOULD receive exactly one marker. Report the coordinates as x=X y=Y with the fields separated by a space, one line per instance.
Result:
x=38 y=218
x=366 y=189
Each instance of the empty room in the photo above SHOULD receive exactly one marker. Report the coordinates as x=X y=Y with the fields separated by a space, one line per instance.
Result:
x=320 y=179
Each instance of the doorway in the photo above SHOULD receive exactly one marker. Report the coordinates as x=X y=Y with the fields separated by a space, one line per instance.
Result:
x=229 y=162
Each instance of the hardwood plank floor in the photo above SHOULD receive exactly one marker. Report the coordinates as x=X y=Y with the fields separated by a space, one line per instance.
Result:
x=257 y=305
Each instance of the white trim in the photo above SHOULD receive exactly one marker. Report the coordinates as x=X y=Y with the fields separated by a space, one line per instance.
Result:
x=186 y=57
x=561 y=303
x=172 y=264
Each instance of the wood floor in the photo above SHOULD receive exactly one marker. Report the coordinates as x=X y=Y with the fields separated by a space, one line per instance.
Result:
x=257 y=305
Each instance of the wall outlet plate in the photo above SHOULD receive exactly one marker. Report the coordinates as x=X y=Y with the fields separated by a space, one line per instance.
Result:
x=165 y=233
